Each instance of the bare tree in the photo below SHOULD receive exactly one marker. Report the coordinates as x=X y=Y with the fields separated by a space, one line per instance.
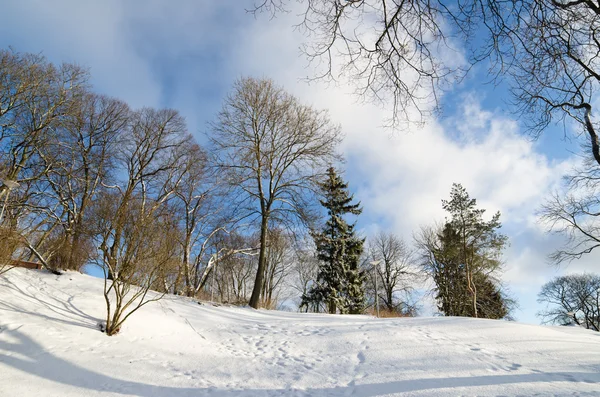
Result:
x=34 y=97
x=147 y=248
x=305 y=271
x=233 y=270
x=572 y=299
x=79 y=157
x=574 y=212
x=398 y=51
x=394 y=269
x=549 y=50
x=132 y=243
x=271 y=149
x=408 y=51
x=575 y=216
x=201 y=218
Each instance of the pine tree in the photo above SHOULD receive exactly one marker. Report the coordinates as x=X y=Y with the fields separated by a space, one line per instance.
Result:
x=340 y=281
x=476 y=246
x=451 y=277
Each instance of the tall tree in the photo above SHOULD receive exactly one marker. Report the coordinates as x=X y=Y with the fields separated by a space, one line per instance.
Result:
x=196 y=201
x=79 y=157
x=479 y=244
x=340 y=281
x=463 y=258
x=271 y=150
x=36 y=98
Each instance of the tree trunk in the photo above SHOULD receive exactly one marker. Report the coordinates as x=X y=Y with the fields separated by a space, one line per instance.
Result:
x=331 y=307
x=258 y=282
x=592 y=132
x=473 y=290
x=75 y=249
x=390 y=297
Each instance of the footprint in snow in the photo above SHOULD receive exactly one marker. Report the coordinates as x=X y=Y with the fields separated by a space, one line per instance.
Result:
x=514 y=367
x=361 y=357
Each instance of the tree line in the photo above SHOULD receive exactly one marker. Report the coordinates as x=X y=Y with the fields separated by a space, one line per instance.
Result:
x=88 y=181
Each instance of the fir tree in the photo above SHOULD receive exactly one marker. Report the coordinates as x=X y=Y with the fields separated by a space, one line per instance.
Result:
x=340 y=281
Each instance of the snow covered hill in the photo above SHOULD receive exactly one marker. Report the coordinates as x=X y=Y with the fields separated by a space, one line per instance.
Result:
x=50 y=346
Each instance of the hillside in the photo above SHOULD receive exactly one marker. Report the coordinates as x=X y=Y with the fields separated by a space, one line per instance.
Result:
x=50 y=346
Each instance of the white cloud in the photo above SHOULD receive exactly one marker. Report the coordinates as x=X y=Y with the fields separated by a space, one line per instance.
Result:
x=405 y=174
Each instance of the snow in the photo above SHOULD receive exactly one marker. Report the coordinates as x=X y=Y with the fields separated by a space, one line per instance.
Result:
x=50 y=346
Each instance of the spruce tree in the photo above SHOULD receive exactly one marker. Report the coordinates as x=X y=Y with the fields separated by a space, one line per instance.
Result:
x=340 y=281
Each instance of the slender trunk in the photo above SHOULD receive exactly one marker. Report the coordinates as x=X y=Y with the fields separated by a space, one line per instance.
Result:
x=177 y=282
x=475 y=302
x=255 y=298
x=75 y=250
x=265 y=284
x=469 y=272
x=190 y=289
x=472 y=290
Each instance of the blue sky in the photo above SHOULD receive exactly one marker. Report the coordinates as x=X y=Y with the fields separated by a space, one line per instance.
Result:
x=186 y=54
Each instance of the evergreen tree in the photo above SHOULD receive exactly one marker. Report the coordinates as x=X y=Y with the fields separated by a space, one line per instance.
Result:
x=478 y=246
x=448 y=274
x=477 y=243
x=340 y=281
x=464 y=257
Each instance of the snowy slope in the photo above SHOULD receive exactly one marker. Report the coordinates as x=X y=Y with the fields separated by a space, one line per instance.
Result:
x=50 y=346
